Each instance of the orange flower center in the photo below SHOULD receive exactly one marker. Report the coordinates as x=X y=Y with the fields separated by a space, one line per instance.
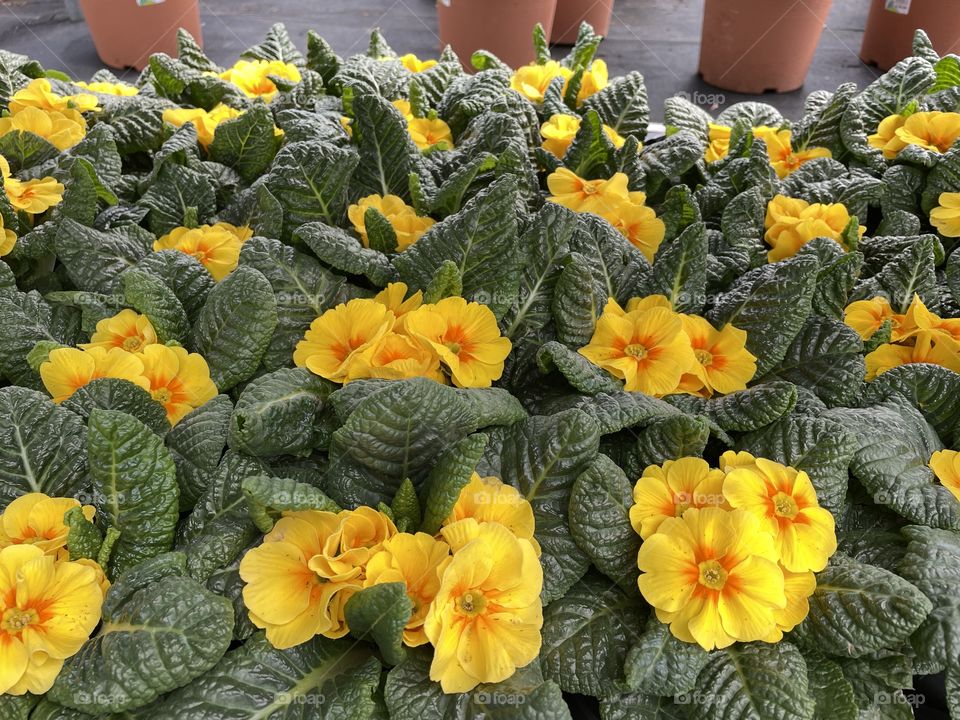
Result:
x=704 y=357
x=785 y=506
x=591 y=187
x=162 y=395
x=471 y=603
x=15 y=620
x=712 y=575
x=133 y=343
x=200 y=255
x=636 y=350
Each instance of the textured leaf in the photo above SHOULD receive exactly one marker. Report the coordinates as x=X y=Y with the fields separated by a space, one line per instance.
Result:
x=196 y=444
x=268 y=497
x=660 y=664
x=753 y=408
x=151 y=296
x=579 y=372
x=343 y=252
x=385 y=148
x=247 y=143
x=680 y=270
x=177 y=195
x=93 y=259
x=933 y=390
x=379 y=614
x=120 y=395
x=830 y=689
x=576 y=304
x=183 y=274
x=28 y=320
x=623 y=268
x=447 y=478
x=672 y=437
x=623 y=105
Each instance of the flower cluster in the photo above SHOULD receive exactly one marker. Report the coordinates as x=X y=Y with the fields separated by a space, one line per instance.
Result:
x=610 y=199
x=532 y=81
x=49 y=604
x=255 y=77
x=916 y=336
x=935 y=131
x=56 y=118
x=33 y=196
x=657 y=351
x=126 y=347
x=216 y=247
x=474 y=588
x=406 y=224
x=783 y=157
x=205 y=121
x=729 y=554
x=393 y=337
x=559 y=131
x=791 y=223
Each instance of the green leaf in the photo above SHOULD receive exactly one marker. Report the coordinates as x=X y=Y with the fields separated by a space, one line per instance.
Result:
x=405 y=507
x=385 y=148
x=670 y=158
x=134 y=486
x=640 y=706
x=454 y=190
x=246 y=143
x=599 y=515
x=672 y=437
x=830 y=689
x=28 y=320
x=196 y=444
x=481 y=239
x=446 y=282
x=83 y=538
x=931 y=389
x=910 y=272
x=343 y=252
x=742 y=220
x=660 y=664
x=576 y=305
x=19 y=707
x=235 y=326
x=835 y=282
x=622 y=272
x=591 y=152
x=892 y=92
x=753 y=408
x=321 y=58
x=447 y=478
x=586 y=635
x=120 y=395
x=680 y=270
x=154 y=640
x=277 y=45
x=623 y=105
x=177 y=194
x=380 y=233
x=24 y=150
x=578 y=371
x=858 y=609
x=151 y=296
x=756 y=681
x=268 y=497
x=191 y=54
x=379 y=614
x=42 y=446
x=617 y=410
x=93 y=259
x=190 y=281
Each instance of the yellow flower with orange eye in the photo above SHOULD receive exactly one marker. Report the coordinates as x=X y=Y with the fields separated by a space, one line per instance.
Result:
x=485 y=620
x=282 y=594
x=127 y=329
x=559 y=131
x=867 y=316
x=31 y=196
x=946 y=216
x=669 y=490
x=785 y=502
x=395 y=356
x=935 y=348
x=723 y=363
x=465 y=336
x=638 y=223
x=37 y=519
x=204 y=121
x=360 y=534
x=784 y=159
x=8 y=239
x=918 y=319
x=418 y=562
x=66 y=370
x=334 y=340
x=108 y=88
x=407 y=225
x=489 y=499
x=595 y=78
x=946 y=466
x=39 y=94
x=712 y=574
x=253 y=77
x=216 y=247
x=430 y=132
x=791 y=223
x=594 y=196
x=61 y=128
x=178 y=380
x=532 y=81
x=646 y=348
x=414 y=64
x=47 y=611
x=935 y=131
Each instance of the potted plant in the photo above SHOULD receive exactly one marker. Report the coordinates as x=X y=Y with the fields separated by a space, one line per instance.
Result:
x=502 y=27
x=888 y=37
x=757 y=46
x=570 y=13
x=127 y=32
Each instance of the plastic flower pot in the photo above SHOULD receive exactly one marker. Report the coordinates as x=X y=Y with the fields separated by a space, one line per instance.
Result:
x=570 y=13
x=889 y=34
x=503 y=27
x=757 y=46
x=127 y=32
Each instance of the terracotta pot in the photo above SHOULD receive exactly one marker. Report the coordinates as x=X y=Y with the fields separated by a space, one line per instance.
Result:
x=570 y=13
x=503 y=27
x=889 y=35
x=757 y=46
x=126 y=34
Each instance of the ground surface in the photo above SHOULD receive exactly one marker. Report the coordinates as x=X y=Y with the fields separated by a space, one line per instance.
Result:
x=660 y=38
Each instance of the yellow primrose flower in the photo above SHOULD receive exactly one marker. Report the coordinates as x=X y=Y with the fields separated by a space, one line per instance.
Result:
x=408 y=226
x=37 y=519
x=282 y=594
x=934 y=348
x=360 y=534
x=216 y=247
x=68 y=369
x=395 y=357
x=797 y=588
x=595 y=196
x=785 y=502
x=935 y=131
x=791 y=223
x=253 y=77
x=723 y=363
x=489 y=499
x=205 y=122
x=8 y=239
x=414 y=64
x=108 y=88
x=646 y=348
x=719 y=140
x=485 y=620
x=669 y=490
x=946 y=216
x=465 y=336
x=394 y=296
x=559 y=131
x=180 y=381
x=426 y=133
x=403 y=106
x=39 y=94
x=638 y=223
x=918 y=319
x=783 y=158
x=127 y=329
x=47 y=611
x=242 y=232
x=31 y=196
x=713 y=576
x=532 y=81
x=417 y=561
x=62 y=129
x=595 y=79
x=336 y=338
x=866 y=317
x=946 y=466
